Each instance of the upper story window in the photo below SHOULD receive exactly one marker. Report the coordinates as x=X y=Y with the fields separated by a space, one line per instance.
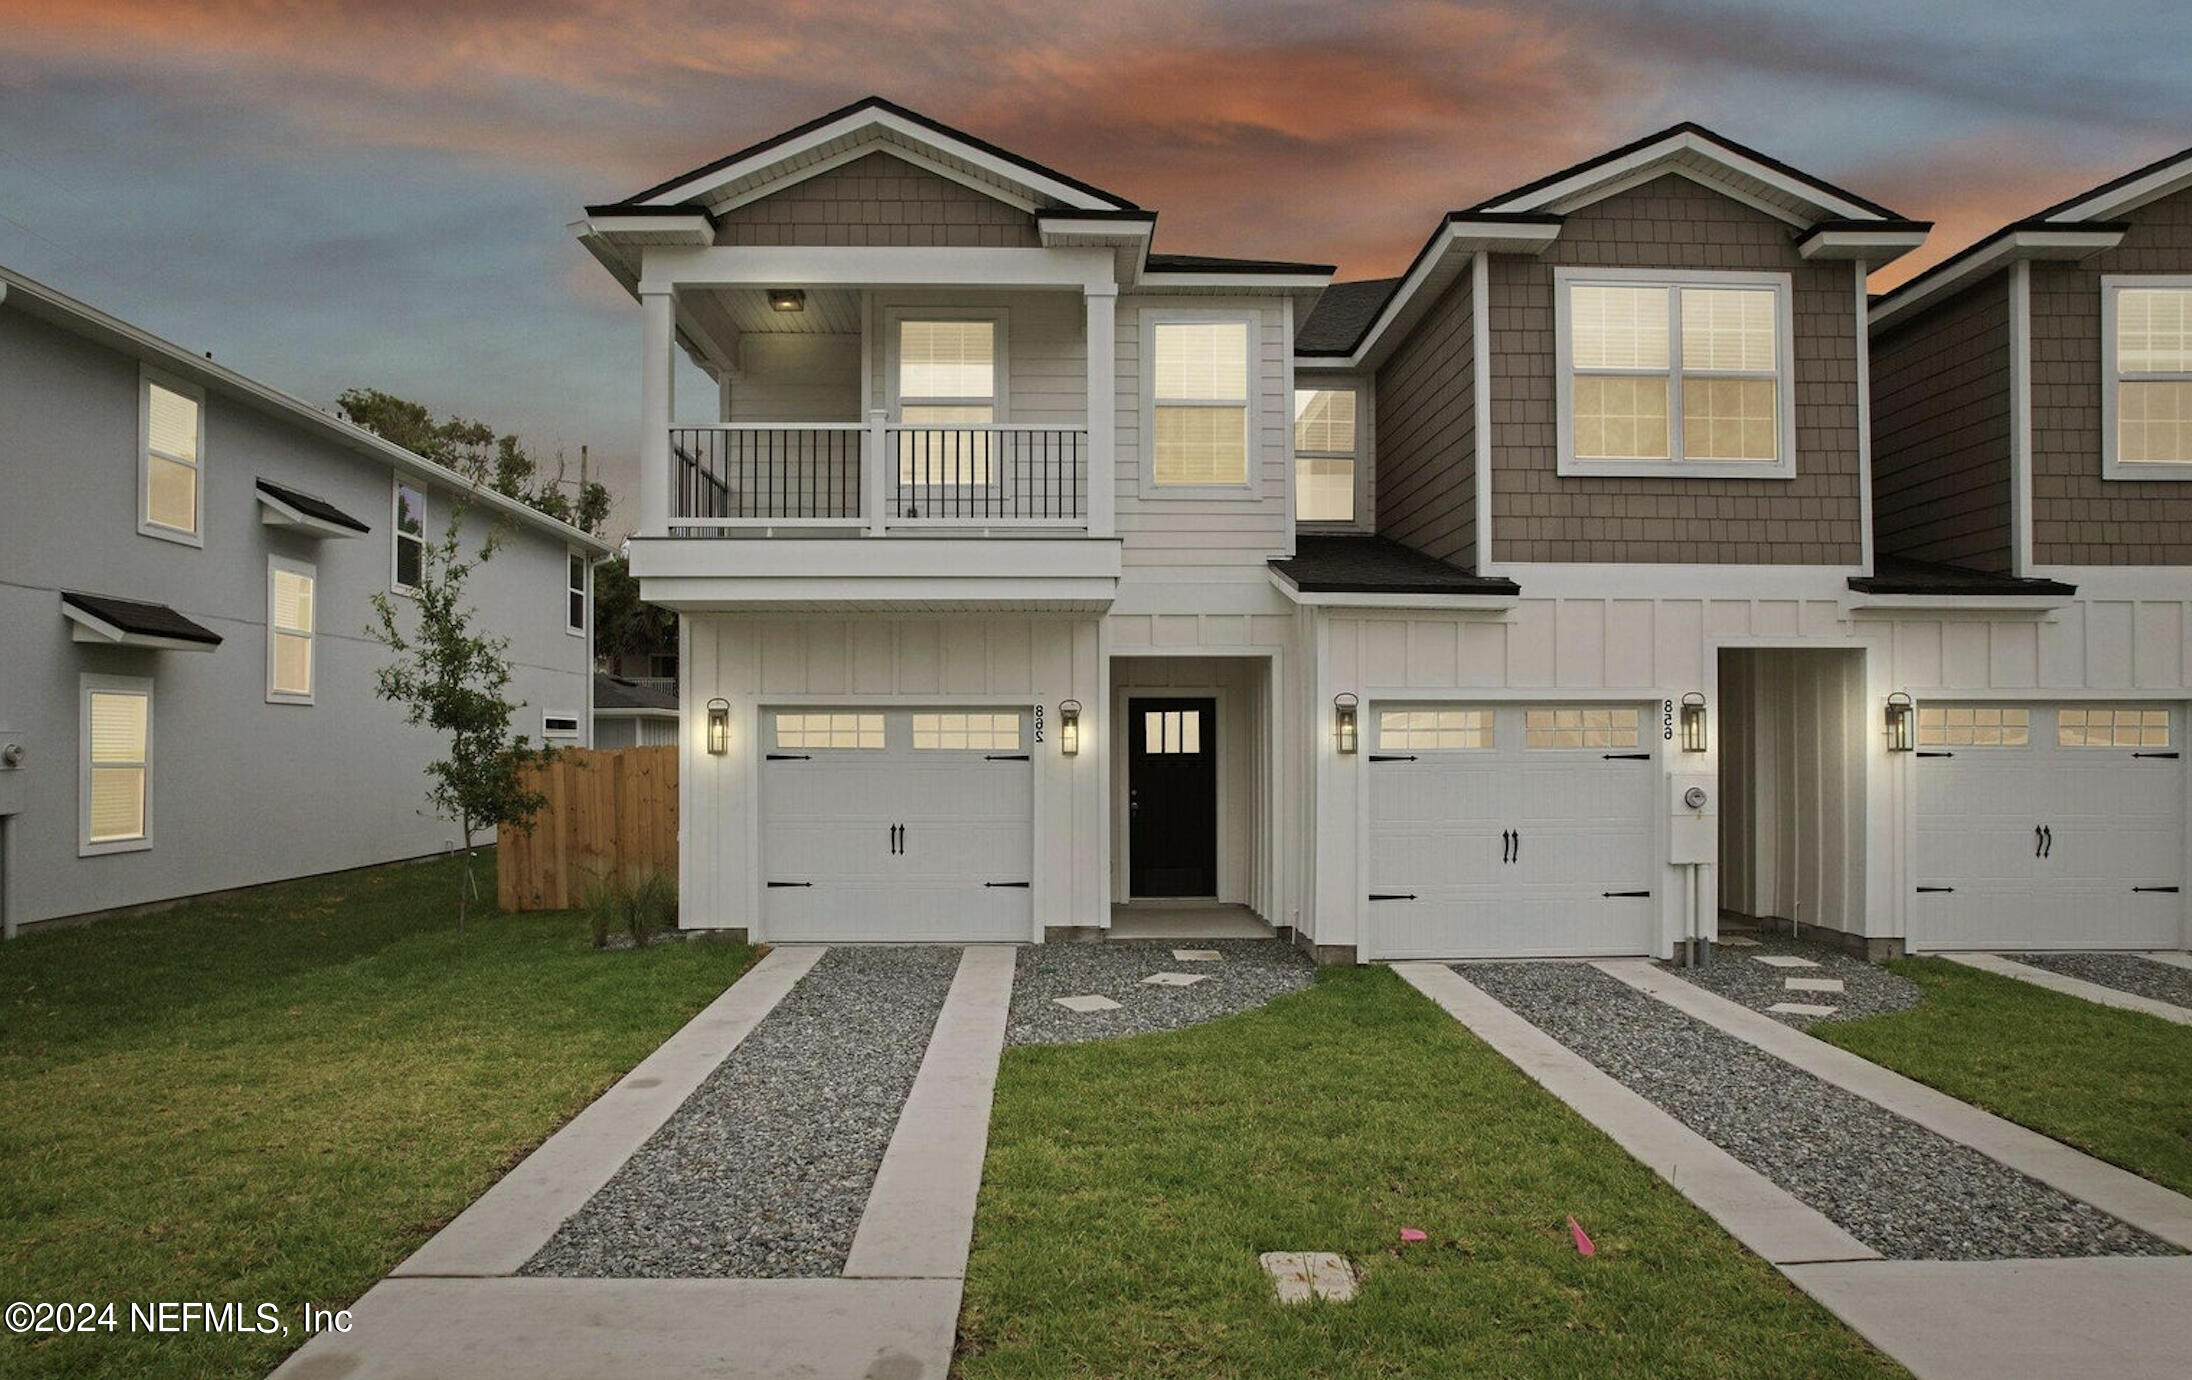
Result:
x=115 y=780
x=1324 y=455
x=2146 y=333
x=947 y=381
x=171 y=488
x=575 y=610
x=291 y=589
x=1674 y=373
x=410 y=548
x=1199 y=403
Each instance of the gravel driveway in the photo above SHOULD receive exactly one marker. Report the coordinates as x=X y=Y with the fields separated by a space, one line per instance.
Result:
x=764 y=1171
x=1868 y=988
x=1247 y=973
x=1900 y=1189
x=2141 y=977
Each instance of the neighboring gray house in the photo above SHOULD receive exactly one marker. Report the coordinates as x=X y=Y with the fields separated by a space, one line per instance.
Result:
x=187 y=559
x=634 y=713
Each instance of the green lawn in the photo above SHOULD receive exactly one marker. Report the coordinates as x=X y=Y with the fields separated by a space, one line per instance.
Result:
x=2116 y=1084
x=275 y=1098
x=1131 y=1184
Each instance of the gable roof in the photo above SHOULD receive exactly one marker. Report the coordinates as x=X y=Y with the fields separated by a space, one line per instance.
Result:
x=36 y=299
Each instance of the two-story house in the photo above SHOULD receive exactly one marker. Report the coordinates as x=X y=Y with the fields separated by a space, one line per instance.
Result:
x=187 y=562
x=1525 y=604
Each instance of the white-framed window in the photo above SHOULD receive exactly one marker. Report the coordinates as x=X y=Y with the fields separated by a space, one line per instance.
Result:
x=170 y=459
x=997 y=732
x=1326 y=440
x=830 y=729
x=2112 y=726
x=949 y=382
x=1197 y=377
x=1582 y=726
x=292 y=615
x=2146 y=376
x=1411 y=730
x=1172 y=731
x=574 y=613
x=1667 y=372
x=1974 y=725
x=557 y=723
x=114 y=779
x=407 y=558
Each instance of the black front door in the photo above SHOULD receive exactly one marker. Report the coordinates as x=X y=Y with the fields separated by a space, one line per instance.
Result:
x=1172 y=797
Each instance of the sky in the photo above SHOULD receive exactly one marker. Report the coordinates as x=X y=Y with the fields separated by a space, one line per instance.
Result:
x=336 y=195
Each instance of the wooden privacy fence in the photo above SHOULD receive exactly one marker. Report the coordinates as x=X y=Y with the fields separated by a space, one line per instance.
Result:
x=607 y=812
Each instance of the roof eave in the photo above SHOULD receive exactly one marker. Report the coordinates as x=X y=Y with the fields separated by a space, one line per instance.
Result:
x=2023 y=240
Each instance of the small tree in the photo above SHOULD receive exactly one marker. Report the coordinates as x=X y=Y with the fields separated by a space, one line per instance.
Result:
x=453 y=680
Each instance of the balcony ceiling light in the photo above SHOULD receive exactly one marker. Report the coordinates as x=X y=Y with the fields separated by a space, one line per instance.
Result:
x=788 y=299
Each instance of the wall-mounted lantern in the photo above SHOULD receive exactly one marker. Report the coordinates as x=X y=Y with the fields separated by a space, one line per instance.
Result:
x=719 y=727
x=1902 y=723
x=787 y=299
x=1343 y=721
x=1693 y=722
x=1069 y=727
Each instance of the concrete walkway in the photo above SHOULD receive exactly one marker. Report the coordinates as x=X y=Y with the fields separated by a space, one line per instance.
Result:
x=457 y=1307
x=2001 y=1320
x=2072 y=987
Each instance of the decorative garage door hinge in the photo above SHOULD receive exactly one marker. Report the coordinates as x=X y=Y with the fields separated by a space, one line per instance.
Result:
x=1936 y=754
x=1626 y=756
x=1925 y=889
x=1392 y=757
x=1005 y=757
x=791 y=884
x=2172 y=890
x=1392 y=896
x=1021 y=885
x=2170 y=755
x=788 y=757
x=1624 y=893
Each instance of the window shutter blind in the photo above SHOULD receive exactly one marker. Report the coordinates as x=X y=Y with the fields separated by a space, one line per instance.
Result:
x=173 y=424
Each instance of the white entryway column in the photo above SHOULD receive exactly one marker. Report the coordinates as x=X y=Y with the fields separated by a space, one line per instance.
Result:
x=657 y=341
x=1102 y=300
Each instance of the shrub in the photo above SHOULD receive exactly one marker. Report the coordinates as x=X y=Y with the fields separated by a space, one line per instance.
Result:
x=639 y=904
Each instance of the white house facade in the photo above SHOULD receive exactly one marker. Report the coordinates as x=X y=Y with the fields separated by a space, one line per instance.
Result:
x=1530 y=603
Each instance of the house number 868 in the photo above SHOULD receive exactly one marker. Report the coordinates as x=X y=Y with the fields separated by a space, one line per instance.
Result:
x=1038 y=723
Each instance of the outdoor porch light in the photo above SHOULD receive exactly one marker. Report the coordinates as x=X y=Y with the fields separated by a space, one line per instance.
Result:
x=1069 y=727
x=788 y=299
x=1693 y=722
x=719 y=727
x=1902 y=718
x=1343 y=721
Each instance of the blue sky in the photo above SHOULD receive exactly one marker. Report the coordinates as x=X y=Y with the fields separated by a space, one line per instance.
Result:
x=335 y=195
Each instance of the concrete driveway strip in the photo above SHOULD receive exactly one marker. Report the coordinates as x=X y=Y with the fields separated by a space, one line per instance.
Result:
x=2072 y=987
x=503 y=1229
x=1770 y=1222
x=2145 y=1205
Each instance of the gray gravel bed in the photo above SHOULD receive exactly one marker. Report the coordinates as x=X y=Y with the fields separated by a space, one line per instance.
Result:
x=1868 y=988
x=2141 y=977
x=1250 y=973
x=765 y=1169
x=1902 y=1190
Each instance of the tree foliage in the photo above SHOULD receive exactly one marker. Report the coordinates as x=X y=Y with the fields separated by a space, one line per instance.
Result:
x=474 y=450
x=455 y=681
x=622 y=624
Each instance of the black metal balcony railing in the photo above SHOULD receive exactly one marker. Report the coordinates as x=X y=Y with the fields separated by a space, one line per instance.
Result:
x=959 y=474
x=780 y=472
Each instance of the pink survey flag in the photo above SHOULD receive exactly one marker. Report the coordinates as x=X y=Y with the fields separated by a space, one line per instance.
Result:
x=1411 y=1234
x=1582 y=1242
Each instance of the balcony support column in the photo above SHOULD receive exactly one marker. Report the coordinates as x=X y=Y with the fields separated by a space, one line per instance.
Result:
x=1101 y=301
x=657 y=334
x=874 y=455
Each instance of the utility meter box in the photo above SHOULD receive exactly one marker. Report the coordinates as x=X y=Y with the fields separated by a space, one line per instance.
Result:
x=1693 y=826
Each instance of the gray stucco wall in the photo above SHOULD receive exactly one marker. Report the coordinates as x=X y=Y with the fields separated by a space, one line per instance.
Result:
x=243 y=791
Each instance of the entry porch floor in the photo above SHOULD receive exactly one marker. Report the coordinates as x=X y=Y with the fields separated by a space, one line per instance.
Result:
x=1186 y=920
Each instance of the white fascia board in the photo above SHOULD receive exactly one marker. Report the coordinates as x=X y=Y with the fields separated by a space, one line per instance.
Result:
x=91 y=628
x=914 y=135
x=1459 y=242
x=2070 y=242
x=668 y=268
x=692 y=229
x=914 y=559
x=1492 y=605
x=1576 y=190
x=2020 y=607
x=275 y=513
x=1244 y=282
x=1619 y=580
x=2170 y=178
x=700 y=594
x=1064 y=225
x=1873 y=246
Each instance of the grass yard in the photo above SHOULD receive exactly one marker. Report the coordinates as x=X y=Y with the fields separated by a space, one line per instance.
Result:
x=276 y=1097
x=2116 y=1084
x=1130 y=1186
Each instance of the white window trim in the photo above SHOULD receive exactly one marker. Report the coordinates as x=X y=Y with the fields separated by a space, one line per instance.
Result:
x=2111 y=467
x=1000 y=402
x=1251 y=488
x=312 y=635
x=396 y=533
x=584 y=589
x=146 y=377
x=127 y=685
x=1356 y=386
x=577 y=730
x=1784 y=374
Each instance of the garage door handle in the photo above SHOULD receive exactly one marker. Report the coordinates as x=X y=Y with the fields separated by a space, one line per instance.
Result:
x=1626 y=756
x=1005 y=757
x=1926 y=889
x=2172 y=890
x=2039 y=841
x=1392 y=896
x=1022 y=885
x=788 y=757
x=1518 y=845
x=1506 y=845
x=2047 y=841
x=778 y=884
x=1624 y=893
x=2170 y=755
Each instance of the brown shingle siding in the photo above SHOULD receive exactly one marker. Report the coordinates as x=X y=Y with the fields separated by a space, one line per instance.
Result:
x=1538 y=515
x=878 y=200
x=1426 y=441
x=1941 y=432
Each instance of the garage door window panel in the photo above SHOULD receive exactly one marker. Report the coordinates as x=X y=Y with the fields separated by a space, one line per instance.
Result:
x=1435 y=730
x=830 y=731
x=1969 y=725
x=966 y=732
x=1581 y=728
x=2113 y=726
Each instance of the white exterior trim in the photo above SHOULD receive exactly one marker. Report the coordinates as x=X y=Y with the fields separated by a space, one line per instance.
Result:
x=1480 y=306
x=1434 y=271
x=147 y=378
x=1250 y=489
x=2111 y=377
x=2165 y=180
x=584 y=590
x=1584 y=187
x=576 y=732
x=397 y=536
x=87 y=685
x=667 y=268
x=312 y=635
x=1569 y=466
x=2020 y=417
x=1864 y=420
x=2069 y=243
x=1000 y=319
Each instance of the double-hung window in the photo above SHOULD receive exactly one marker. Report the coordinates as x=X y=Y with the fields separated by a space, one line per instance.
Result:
x=1324 y=455
x=115 y=777
x=291 y=590
x=1198 y=388
x=171 y=463
x=1674 y=374
x=2146 y=343
x=410 y=530
x=575 y=599
x=947 y=397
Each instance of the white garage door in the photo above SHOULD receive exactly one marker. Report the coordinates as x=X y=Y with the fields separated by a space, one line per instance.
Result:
x=896 y=825
x=2048 y=827
x=1510 y=832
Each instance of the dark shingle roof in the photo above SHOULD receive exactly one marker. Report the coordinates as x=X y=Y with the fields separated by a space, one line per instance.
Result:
x=145 y=620
x=1341 y=315
x=615 y=692
x=313 y=507
x=1211 y=263
x=1902 y=575
x=1354 y=564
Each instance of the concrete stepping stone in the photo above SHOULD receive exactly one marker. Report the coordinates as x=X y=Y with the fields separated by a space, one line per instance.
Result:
x=1737 y=941
x=1087 y=1004
x=1783 y=961
x=1302 y=1275
x=1176 y=979
x=1798 y=1008
x=1196 y=955
x=1804 y=984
